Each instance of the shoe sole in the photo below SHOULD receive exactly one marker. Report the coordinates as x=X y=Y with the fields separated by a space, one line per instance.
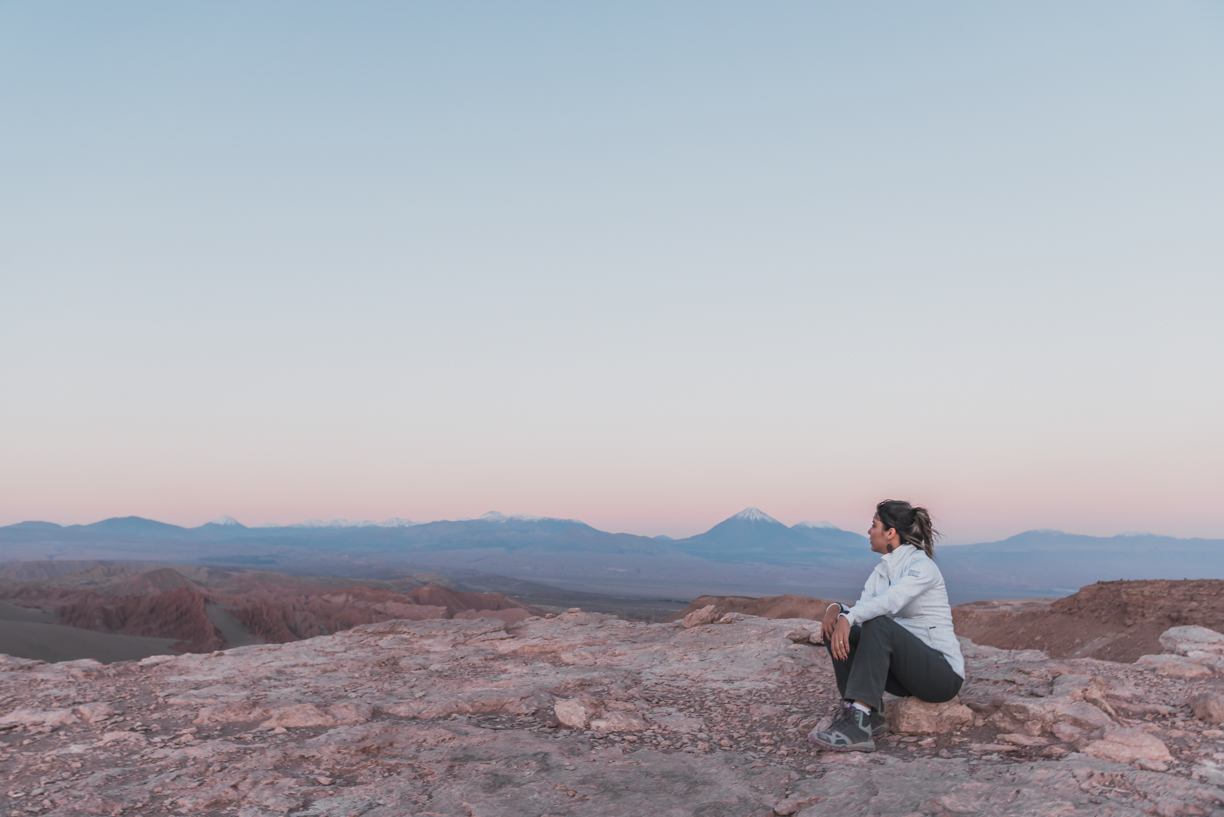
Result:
x=853 y=747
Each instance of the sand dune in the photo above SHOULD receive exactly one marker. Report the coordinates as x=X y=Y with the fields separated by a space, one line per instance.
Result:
x=55 y=642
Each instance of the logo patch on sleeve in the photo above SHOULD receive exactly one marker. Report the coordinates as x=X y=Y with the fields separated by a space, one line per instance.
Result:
x=914 y=573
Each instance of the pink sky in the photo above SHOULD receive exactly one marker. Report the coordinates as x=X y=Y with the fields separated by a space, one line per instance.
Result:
x=644 y=269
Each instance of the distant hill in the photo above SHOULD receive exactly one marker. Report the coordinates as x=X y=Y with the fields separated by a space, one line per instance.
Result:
x=135 y=526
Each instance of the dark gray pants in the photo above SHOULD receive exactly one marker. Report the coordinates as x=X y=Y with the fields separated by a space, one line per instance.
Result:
x=886 y=657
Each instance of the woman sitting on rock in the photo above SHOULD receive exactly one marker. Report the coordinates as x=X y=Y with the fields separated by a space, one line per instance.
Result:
x=898 y=636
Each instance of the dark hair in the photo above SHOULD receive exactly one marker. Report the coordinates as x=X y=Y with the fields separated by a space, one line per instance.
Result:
x=913 y=524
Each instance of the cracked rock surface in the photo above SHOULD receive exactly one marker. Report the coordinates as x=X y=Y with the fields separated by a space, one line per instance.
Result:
x=586 y=714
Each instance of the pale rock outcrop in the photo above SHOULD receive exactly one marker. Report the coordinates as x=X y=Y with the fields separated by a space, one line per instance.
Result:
x=96 y=712
x=910 y=716
x=1187 y=640
x=1199 y=644
x=239 y=712
x=350 y=712
x=1129 y=745
x=38 y=717
x=699 y=617
x=298 y=715
x=1174 y=666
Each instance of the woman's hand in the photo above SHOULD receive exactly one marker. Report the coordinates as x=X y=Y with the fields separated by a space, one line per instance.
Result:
x=829 y=621
x=839 y=639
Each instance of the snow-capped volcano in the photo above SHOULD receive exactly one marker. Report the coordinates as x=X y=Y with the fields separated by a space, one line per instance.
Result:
x=822 y=525
x=497 y=516
x=393 y=522
x=226 y=520
x=754 y=536
x=396 y=522
x=754 y=515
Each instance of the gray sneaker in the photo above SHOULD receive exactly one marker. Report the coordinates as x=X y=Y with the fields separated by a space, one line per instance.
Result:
x=879 y=724
x=853 y=733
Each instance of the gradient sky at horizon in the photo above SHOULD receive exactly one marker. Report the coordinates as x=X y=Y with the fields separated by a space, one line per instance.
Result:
x=638 y=264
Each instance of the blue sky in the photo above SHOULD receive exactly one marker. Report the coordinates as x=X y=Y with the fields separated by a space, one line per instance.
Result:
x=639 y=265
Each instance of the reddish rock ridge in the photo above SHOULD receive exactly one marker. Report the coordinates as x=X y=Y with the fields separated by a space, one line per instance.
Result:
x=176 y=614
x=588 y=715
x=1112 y=621
x=788 y=606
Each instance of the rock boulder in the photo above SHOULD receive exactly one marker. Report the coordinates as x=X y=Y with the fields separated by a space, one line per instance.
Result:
x=1208 y=706
x=575 y=714
x=910 y=716
x=705 y=615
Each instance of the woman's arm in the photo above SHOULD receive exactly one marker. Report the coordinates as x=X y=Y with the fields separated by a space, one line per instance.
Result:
x=921 y=575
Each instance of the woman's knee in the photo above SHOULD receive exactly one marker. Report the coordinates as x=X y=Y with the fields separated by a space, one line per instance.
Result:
x=874 y=627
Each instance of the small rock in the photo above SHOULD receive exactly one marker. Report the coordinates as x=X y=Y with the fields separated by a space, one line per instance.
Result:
x=699 y=617
x=616 y=722
x=1071 y=734
x=574 y=713
x=1208 y=706
x=1023 y=740
x=806 y=793
x=766 y=711
x=910 y=716
x=96 y=712
x=1128 y=746
x=298 y=715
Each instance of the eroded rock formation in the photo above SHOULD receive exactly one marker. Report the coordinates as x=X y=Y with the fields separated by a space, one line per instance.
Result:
x=216 y=609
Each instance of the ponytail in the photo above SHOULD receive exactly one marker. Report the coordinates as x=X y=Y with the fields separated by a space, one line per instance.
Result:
x=913 y=524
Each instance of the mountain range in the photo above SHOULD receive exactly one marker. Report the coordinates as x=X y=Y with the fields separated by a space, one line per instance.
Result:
x=750 y=553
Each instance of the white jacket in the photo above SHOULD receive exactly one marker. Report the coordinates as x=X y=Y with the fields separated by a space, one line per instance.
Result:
x=907 y=587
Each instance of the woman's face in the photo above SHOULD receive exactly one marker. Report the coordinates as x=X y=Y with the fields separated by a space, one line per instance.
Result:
x=878 y=536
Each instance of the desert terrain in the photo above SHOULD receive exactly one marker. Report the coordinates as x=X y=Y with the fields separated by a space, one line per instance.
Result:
x=588 y=714
x=117 y=611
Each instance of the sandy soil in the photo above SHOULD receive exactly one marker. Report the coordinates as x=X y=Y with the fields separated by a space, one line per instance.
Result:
x=55 y=642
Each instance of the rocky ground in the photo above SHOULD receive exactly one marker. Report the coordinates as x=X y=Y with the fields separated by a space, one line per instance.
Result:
x=586 y=714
